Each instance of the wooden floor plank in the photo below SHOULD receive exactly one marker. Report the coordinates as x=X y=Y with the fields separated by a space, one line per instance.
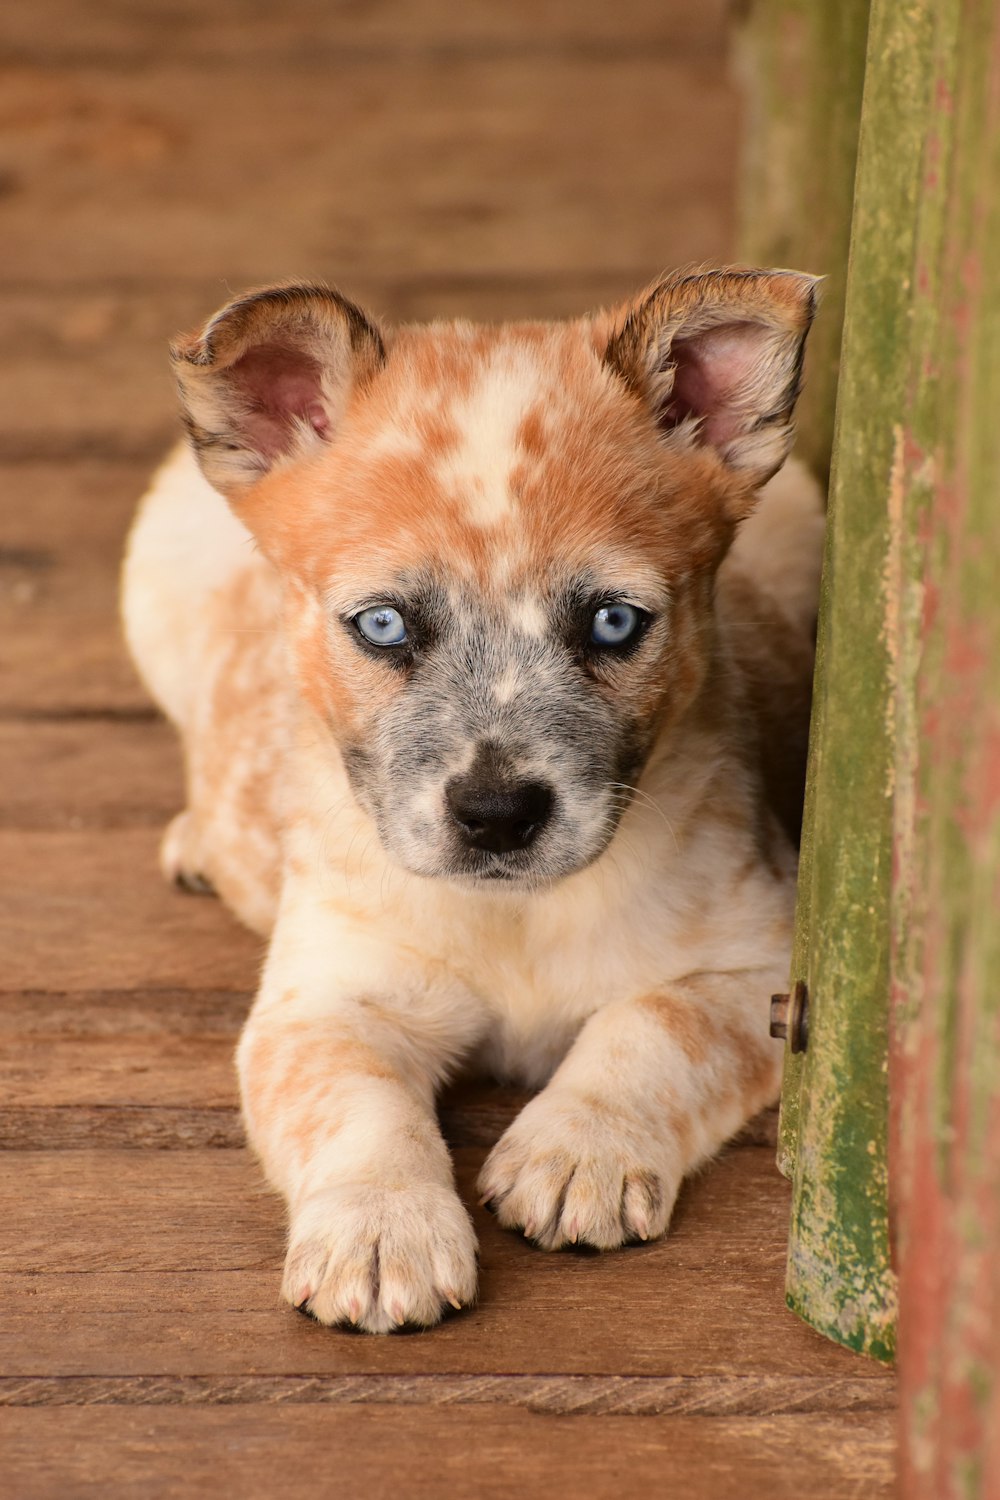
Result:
x=69 y=1064
x=156 y=1068
x=93 y=913
x=231 y=30
x=61 y=540
x=258 y=1452
x=505 y=163
x=569 y=1395
x=88 y=775
x=177 y=1274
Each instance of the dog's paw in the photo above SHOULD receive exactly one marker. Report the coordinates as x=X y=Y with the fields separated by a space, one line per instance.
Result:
x=180 y=859
x=569 y=1171
x=380 y=1258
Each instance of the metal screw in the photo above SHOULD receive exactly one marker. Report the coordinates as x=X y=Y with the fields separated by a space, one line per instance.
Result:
x=790 y=1016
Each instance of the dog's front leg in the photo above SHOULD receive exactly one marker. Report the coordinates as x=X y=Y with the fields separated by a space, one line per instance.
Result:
x=339 y=1103
x=651 y=1087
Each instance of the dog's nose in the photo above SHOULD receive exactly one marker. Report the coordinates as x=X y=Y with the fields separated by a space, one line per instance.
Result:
x=497 y=818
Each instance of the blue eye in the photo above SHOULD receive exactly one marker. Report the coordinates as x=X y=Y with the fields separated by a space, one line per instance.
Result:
x=615 y=624
x=382 y=625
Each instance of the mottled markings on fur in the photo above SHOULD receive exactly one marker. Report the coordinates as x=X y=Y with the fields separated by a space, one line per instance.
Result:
x=495 y=485
x=477 y=470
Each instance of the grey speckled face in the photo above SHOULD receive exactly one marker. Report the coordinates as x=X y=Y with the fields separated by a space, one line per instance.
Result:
x=509 y=751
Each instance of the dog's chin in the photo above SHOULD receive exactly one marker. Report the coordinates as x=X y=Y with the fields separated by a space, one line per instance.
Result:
x=499 y=874
x=499 y=879
x=489 y=875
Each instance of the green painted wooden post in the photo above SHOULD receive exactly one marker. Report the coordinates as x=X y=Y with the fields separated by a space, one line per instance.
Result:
x=903 y=816
x=835 y=1111
x=905 y=762
x=839 y=1273
x=802 y=69
x=944 y=588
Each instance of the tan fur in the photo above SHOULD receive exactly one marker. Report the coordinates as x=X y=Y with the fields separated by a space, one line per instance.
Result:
x=632 y=991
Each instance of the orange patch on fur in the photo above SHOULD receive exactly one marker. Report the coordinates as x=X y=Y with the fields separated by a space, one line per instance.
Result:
x=295 y=1075
x=682 y=1023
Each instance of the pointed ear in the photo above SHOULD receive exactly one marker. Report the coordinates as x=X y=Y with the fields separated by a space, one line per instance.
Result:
x=718 y=359
x=270 y=376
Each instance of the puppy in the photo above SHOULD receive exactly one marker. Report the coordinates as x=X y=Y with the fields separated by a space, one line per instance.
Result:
x=490 y=724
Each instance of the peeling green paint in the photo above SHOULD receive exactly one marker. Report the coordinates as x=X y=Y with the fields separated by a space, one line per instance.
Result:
x=839 y=1271
x=840 y=1275
x=899 y=891
x=801 y=67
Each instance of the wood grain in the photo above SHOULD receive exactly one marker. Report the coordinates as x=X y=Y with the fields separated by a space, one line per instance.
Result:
x=569 y=1395
x=505 y=163
x=61 y=539
x=480 y=160
x=467 y=1455
x=310 y=31
x=193 y=1242
x=89 y=774
x=83 y=913
x=155 y=1068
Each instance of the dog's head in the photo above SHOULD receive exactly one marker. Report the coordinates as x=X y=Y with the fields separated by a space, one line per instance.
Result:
x=498 y=544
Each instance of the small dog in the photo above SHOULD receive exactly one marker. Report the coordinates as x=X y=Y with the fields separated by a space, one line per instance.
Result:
x=496 y=727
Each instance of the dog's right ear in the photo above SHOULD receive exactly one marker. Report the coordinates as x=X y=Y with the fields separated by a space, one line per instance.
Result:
x=269 y=378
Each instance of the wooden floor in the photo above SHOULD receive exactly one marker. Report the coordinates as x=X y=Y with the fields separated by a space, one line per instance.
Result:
x=433 y=158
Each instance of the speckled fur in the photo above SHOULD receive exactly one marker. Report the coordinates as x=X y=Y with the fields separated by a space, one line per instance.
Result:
x=494 y=483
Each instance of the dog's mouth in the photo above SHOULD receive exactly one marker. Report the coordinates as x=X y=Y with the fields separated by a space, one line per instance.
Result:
x=545 y=863
x=472 y=868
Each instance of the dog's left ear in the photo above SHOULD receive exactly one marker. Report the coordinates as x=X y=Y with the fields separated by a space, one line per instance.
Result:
x=718 y=359
x=269 y=378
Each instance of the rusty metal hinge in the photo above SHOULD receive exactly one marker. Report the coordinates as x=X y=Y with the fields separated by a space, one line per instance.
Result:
x=790 y=1016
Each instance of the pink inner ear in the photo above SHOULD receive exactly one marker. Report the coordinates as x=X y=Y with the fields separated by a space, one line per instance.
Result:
x=279 y=387
x=714 y=379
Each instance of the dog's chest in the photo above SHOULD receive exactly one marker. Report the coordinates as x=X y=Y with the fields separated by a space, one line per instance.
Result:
x=538 y=984
x=529 y=1030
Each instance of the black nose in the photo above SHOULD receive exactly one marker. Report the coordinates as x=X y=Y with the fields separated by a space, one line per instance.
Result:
x=498 y=818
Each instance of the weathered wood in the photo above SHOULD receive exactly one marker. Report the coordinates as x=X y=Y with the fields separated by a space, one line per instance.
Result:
x=67 y=1067
x=569 y=1395
x=89 y=774
x=61 y=538
x=195 y=1241
x=476 y=1119
x=150 y=1127
x=304 y=32
x=839 y=1274
x=566 y=1317
x=802 y=68
x=138 y=1069
x=943 y=618
x=504 y=164
x=258 y=1452
x=86 y=912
